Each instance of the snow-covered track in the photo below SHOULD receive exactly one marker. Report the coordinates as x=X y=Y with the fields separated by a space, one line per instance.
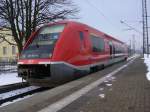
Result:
x=19 y=93
x=10 y=87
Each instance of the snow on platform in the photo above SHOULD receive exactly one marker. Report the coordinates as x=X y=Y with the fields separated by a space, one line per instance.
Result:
x=147 y=62
x=9 y=78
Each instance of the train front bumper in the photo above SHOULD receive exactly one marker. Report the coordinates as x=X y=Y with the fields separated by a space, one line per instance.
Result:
x=49 y=73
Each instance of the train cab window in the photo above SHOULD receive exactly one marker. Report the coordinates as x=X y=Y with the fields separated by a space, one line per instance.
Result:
x=97 y=43
x=43 y=43
x=48 y=35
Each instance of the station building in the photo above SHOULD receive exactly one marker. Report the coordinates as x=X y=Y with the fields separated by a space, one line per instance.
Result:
x=8 y=52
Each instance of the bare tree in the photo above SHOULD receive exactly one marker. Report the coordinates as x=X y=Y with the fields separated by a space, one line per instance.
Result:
x=22 y=17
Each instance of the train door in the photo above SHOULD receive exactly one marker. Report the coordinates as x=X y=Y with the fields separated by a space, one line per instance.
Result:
x=111 y=47
x=83 y=41
x=84 y=47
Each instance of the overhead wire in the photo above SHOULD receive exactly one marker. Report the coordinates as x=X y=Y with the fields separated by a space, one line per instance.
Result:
x=131 y=27
x=100 y=13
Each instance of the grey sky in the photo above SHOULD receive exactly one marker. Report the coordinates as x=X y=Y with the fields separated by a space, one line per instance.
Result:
x=105 y=15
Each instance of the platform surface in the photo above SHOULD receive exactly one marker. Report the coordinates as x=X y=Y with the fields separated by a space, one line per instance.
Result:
x=130 y=92
x=126 y=91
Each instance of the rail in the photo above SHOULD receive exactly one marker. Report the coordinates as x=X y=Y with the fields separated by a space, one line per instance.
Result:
x=20 y=93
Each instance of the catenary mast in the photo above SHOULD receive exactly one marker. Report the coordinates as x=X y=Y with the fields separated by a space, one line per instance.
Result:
x=145 y=27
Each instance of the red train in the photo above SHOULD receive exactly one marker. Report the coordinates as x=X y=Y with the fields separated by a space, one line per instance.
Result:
x=61 y=51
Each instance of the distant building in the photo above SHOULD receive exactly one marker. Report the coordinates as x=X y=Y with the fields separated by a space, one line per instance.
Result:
x=8 y=52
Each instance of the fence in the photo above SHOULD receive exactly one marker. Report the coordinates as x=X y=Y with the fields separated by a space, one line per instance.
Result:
x=8 y=66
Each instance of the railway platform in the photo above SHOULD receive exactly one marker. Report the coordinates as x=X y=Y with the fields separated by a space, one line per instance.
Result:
x=122 y=87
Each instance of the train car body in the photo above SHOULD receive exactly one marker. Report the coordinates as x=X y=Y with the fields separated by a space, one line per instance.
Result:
x=61 y=51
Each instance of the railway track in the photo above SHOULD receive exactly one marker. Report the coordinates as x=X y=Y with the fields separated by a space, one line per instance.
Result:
x=14 y=91
x=10 y=87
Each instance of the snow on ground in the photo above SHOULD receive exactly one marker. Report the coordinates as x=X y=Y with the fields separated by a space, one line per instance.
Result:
x=9 y=78
x=102 y=95
x=132 y=57
x=147 y=62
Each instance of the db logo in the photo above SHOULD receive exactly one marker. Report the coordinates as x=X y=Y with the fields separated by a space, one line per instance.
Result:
x=30 y=61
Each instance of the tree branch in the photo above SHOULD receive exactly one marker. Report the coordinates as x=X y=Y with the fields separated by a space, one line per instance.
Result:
x=4 y=39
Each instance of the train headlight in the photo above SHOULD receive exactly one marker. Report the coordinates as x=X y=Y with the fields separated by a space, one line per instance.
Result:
x=50 y=55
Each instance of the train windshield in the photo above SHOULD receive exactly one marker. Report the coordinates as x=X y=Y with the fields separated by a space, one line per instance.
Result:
x=43 y=44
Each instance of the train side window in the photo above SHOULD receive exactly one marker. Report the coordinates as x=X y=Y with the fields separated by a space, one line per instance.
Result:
x=81 y=35
x=119 y=49
x=97 y=43
x=116 y=49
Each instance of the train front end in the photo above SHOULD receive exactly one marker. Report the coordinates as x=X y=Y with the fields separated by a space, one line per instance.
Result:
x=34 y=64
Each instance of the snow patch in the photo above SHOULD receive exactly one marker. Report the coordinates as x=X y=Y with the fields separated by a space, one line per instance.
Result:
x=112 y=79
x=102 y=95
x=9 y=78
x=147 y=62
x=101 y=89
x=108 y=84
x=132 y=57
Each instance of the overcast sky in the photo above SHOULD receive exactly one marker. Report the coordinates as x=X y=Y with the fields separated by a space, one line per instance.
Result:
x=105 y=15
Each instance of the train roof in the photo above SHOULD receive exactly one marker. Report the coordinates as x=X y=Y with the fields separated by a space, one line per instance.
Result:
x=87 y=26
